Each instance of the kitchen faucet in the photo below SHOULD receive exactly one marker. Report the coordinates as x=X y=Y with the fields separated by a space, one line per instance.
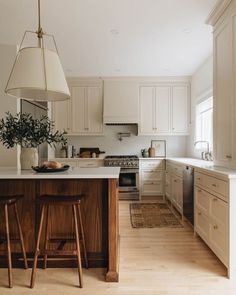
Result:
x=205 y=155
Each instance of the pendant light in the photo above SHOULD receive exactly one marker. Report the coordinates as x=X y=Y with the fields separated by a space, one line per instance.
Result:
x=37 y=72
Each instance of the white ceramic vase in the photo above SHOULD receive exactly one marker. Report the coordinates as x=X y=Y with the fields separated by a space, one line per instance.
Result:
x=28 y=158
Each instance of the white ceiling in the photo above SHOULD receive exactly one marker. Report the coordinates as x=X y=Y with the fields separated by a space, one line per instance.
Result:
x=117 y=37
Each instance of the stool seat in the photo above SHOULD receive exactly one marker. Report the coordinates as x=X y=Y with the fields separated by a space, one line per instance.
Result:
x=9 y=200
x=59 y=199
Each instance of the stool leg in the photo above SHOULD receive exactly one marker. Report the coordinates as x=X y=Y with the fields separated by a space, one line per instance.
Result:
x=37 y=250
x=82 y=234
x=21 y=236
x=46 y=237
x=8 y=247
x=77 y=246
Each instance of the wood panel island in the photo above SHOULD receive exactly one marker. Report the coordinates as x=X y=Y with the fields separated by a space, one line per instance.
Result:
x=99 y=214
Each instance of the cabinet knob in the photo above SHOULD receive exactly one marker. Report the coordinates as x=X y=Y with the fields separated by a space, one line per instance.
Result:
x=228 y=157
x=215 y=199
x=215 y=226
x=199 y=190
x=199 y=213
x=214 y=185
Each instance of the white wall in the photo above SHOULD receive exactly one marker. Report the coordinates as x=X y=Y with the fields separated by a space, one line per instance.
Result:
x=8 y=157
x=201 y=87
x=176 y=145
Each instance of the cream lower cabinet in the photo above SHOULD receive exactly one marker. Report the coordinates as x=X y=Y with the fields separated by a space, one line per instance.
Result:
x=83 y=113
x=151 y=177
x=174 y=185
x=211 y=221
x=164 y=110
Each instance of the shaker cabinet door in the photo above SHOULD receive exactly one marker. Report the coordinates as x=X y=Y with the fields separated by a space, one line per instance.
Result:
x=61 y=115
x=79 y=109
x=223 y=74
x=180 y=109
x=163 y=109
x=147 y=110
x=94 y=110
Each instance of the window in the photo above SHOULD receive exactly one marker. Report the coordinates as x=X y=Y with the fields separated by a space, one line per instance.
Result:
x=204 y=123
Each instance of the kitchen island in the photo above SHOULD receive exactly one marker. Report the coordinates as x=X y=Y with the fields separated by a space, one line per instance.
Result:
x=99 y=214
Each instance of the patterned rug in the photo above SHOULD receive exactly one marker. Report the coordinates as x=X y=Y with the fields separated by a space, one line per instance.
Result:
x=148 y=215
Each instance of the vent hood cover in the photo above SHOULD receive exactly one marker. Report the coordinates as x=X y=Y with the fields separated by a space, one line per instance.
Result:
x=121 y=99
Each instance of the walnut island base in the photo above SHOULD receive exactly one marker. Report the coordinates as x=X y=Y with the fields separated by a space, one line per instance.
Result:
x=99 y=215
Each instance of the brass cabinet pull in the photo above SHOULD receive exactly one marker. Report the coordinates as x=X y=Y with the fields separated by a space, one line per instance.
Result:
x=199 y=190
x=228 y=157
x=214 y=185
x=215 y=226
x=215 y=199
x=199 y=213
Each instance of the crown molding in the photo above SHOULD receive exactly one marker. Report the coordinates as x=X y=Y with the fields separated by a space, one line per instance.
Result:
x=217 y=11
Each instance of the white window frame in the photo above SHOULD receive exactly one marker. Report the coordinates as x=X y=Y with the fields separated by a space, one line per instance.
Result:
x=205 y=102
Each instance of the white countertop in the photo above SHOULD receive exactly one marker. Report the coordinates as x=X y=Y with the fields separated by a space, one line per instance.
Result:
x=206 y=165
x=72 y=173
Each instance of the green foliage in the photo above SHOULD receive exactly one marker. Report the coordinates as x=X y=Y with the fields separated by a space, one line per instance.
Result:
x=22 y=129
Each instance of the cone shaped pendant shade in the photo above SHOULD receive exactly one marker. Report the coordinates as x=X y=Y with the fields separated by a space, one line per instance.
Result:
x=32 y=78
x=37 y=73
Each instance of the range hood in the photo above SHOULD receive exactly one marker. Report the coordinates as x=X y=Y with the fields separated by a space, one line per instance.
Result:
x=121 y=99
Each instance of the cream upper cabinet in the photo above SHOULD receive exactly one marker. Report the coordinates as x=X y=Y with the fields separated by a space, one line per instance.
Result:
x=180 y=109
x=147 y=110
x=164 y=110
x=163 y=107
x=83 y=113
x=61 y=115
x=86 y=109
x=223 y=19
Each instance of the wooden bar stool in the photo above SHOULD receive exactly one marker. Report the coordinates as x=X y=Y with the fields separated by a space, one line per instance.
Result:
x=51 y=200
x=6 y=202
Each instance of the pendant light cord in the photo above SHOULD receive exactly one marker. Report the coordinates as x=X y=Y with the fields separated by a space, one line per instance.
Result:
x=40 y=30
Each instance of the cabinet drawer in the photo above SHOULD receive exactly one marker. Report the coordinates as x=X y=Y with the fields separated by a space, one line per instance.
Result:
x=199 y=178
x=156 y=175
x=202 y=200
x=178 y=170
x=217 y=185
x=214 y=184
x=152 y=164
x=90 y=163
x=152 y=188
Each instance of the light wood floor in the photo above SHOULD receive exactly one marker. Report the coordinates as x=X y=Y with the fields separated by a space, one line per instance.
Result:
x=152 y=261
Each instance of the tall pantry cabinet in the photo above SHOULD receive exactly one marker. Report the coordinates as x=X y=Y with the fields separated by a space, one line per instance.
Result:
x=223 y=20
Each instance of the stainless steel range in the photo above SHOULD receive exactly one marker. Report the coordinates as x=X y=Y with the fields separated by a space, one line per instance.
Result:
x=129 y=175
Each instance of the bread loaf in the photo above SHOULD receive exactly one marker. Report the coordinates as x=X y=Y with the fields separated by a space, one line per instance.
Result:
x=52 y=164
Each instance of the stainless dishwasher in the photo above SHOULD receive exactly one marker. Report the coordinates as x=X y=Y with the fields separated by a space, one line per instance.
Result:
x=188 y=201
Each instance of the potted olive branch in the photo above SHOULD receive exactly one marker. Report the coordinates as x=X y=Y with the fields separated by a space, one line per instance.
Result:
x=22 y=129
